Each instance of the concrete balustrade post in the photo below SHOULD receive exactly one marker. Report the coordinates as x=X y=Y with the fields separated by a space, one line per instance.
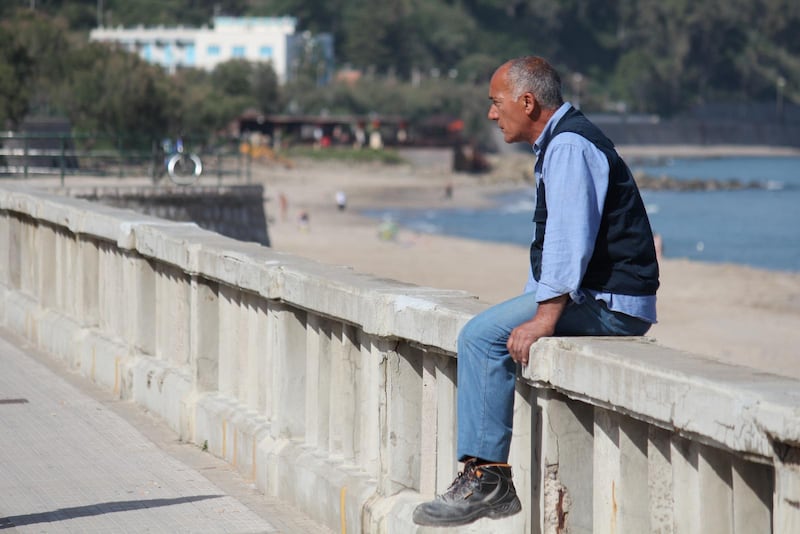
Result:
x=687 y=501
x=113 y=312
x=8 y=263
x=5 y=245
x=87 y=283
x=786 y=504
x=258 y=381
x=659 y=477
x=318 y=350
x=620 y=474
x=245 y=366
x=172 y=317
x=138 y=299
x=205 y=352
x=753 y=484
x=28 y=257
x=400 y=418
x=229 y=339
x=446 y=431
x=561 y=469
x=429 y=426
x=68 y=252
x=64 y=271
x=288 y=330
x=270 y=347
x=46 y=286
x=716 y=487
x=438 y=433
x=368 y=408
x=344 y=357
x=522 y=456
x=15 y=252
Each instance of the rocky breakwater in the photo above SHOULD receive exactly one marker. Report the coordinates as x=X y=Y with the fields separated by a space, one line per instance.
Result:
x=667 y=183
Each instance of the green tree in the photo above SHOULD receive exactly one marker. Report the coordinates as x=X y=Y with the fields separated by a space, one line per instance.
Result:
x=191 y=104
x=45 y=41
x=16 y=73
x=115 y=92
x=657 y=56
x=442 y=32
x=377 y=36
x=265 y=88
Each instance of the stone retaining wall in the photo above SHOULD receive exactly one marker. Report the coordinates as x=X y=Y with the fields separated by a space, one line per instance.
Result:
x=235 y=211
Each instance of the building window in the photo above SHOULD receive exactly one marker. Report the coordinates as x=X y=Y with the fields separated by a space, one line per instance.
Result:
x=188 y=55
x=237 y=51
x=213 y=50
x=265 y=52
x=147 y=52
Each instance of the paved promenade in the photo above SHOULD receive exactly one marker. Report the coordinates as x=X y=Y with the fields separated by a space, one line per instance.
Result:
x=72 y=459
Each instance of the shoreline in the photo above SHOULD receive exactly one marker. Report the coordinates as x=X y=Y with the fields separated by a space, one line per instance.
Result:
x=704 y=151
x=735 y=313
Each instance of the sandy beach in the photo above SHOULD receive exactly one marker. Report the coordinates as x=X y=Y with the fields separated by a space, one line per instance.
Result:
x=734 y=313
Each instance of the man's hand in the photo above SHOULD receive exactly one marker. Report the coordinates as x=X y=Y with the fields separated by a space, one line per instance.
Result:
x=543 y=324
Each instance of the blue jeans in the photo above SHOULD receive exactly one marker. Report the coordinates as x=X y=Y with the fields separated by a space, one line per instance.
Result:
x=487 y=374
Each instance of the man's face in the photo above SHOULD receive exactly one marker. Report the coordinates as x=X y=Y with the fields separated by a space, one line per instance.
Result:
x=509 y=113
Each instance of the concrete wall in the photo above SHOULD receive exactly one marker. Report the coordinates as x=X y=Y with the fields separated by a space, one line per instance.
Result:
x=235 y=211
x=336 y=391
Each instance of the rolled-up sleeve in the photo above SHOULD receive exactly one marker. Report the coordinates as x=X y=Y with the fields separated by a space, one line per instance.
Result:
x=575 y=175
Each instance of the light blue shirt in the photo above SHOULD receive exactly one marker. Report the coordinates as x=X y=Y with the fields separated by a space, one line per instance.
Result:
x=575 y=173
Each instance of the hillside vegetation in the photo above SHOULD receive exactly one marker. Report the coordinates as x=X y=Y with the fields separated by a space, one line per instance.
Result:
x=419 y=57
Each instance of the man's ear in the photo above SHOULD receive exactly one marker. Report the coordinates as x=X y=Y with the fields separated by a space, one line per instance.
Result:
x=529 y=101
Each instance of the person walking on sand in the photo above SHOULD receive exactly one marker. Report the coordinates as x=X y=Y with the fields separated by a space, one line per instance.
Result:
x=341 y=200
x=593 y=271
x=304 y=221
x=284 y=203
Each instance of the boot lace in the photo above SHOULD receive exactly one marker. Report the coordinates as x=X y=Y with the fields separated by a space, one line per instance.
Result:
x=463 y=485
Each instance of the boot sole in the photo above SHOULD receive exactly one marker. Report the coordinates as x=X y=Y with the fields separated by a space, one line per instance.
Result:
x=496 y=512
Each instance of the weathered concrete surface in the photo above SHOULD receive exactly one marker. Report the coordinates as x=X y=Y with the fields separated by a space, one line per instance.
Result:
x=739 y=408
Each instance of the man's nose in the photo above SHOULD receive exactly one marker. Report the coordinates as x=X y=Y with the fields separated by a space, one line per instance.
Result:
x=492 y=114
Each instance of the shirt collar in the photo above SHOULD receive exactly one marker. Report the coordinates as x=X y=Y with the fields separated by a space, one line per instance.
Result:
x=544 y=137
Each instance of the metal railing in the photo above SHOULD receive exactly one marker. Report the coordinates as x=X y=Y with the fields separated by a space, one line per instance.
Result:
x=29 y=155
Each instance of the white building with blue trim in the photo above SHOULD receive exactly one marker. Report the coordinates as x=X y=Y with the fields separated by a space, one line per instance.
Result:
x=268 y=39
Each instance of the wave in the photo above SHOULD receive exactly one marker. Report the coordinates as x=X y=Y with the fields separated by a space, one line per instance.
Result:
x=520 y=206
x=424 y=227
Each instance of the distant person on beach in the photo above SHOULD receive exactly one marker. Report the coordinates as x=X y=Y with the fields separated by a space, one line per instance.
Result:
x=284 y=202
x=448 y=190
x=593 y=271
x=304 y=221
x=387 y=230
x=341 y=200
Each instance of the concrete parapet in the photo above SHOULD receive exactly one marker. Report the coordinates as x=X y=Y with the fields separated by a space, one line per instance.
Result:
x=232 y=210
x=337 y=391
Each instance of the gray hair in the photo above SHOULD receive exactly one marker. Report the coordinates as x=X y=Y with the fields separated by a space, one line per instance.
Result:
x=532 y=74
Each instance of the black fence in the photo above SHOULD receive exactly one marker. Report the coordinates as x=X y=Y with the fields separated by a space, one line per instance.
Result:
x=28 y=155
x=752 y=123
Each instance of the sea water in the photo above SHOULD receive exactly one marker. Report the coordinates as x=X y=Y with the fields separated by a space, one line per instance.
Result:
x=759 y=227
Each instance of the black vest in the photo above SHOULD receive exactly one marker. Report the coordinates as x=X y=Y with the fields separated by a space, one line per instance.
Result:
x=624 y=258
